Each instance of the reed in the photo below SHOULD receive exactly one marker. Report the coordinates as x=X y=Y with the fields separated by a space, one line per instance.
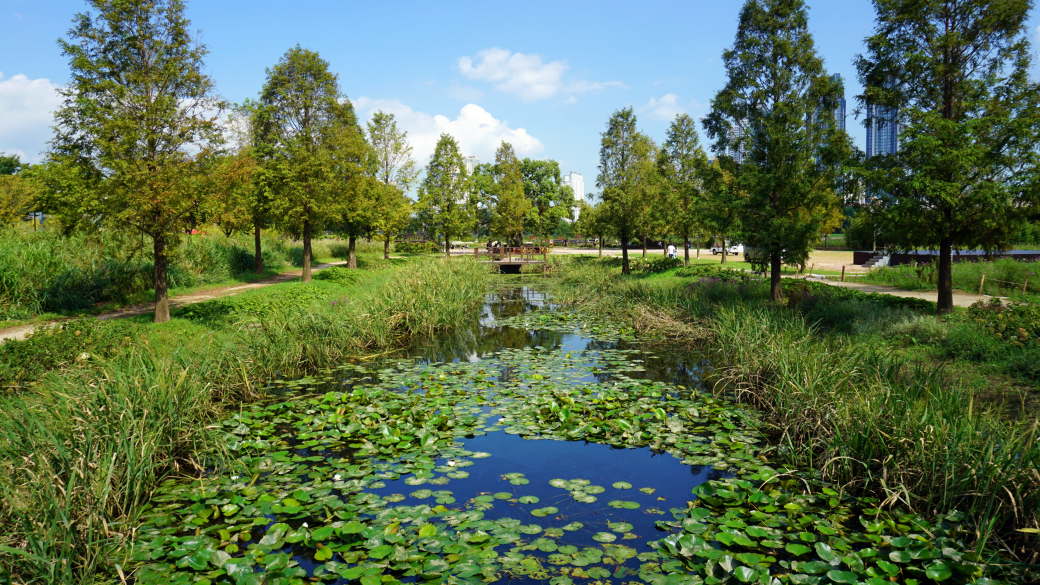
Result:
x=82 y=449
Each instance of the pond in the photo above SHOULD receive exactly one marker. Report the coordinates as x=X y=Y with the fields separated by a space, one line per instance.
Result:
x=538 y=444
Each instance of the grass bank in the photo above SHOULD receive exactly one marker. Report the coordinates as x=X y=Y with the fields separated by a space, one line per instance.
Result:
x=44 y=274
x=113 y=408
x=1005 y=277
x=868 y=392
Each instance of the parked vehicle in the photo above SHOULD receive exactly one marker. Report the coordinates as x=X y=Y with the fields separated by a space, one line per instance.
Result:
x=731 y=249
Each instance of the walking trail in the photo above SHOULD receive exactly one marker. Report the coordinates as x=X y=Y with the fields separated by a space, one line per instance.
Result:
x=959 y=299
x=23 y=331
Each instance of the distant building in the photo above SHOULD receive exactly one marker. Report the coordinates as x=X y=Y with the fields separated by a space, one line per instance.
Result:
x=842 y=110
x=471 y=163
x=576 y=183
x=882 y=131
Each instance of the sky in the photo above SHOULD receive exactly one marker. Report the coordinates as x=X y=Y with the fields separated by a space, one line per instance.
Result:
x=542 y=75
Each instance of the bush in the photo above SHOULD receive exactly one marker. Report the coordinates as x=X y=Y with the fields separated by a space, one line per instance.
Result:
x=82 y=341
x=1018 y=325
x=289 y=299
x=713 y=271
x=337 y=274
x=416 y=248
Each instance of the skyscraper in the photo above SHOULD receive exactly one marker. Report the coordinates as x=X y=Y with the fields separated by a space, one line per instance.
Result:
x=737 y=133
x=471 y=163
x=882 y=131
x=841 y=111
x=576 y=183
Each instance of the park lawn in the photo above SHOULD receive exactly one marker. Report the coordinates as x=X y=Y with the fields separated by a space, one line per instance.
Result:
x=1004 y=278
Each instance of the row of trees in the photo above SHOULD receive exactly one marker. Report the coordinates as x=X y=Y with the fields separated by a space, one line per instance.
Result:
x=141 y=143
x=953 y=75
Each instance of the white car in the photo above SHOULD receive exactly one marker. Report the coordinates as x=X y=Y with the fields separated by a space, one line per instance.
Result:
x=730 y=249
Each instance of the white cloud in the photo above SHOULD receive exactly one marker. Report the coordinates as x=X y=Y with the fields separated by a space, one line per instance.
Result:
x=526 y=75
x=26 y=115
x=668 y=107
x=477 y=131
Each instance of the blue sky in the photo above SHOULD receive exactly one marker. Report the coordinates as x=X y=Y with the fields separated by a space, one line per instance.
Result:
x=542 y=75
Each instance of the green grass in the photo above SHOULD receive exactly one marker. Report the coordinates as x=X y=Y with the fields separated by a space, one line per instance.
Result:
x=870 y=392
x=45 y=275
x=84 y=440
x=1004 y=277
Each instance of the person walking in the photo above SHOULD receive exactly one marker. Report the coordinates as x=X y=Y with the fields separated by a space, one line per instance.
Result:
x=671 y=251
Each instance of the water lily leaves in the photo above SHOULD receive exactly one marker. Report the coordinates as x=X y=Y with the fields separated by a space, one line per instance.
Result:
x=594 y=489
x=380 y=551
x=503 y=495
x=619 y=526
x=598 y=573
x=622 y=485
x=842 y=577
x=604 y=537
x=488 y=499
x=394 y=498
x=546 y=511
x=520 y=481
x=530 y=529
x=623 y=504
x=745 y=574
x=583 y=497
x=528 y=499
x=554 y=532
x=427 y=530
x=421 y=494
x=938 y=571
x=725 y=538
x=558 y=483
x=797 y=549
x=647 y=490
x=479 y=455
x=574 y=526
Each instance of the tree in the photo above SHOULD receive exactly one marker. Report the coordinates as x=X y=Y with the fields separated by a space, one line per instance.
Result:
x=242 y=180
x=393 y=213
x=683 y=165
x=301 y=119
x=511 y=206
x=230 y=185
x=592 y=220
x=550 y=199
x=722 y=204
x=17 y=198
x=954 y=77
x=621 y=206
x=137 y=104
x=444 y=194
x=9 y=163
x=396 y=171
x=774 y=131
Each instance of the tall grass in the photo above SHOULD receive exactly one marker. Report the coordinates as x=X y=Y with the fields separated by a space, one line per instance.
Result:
x=45 y=271
x=1004 y=277
x=842 y=402
x=81 y=452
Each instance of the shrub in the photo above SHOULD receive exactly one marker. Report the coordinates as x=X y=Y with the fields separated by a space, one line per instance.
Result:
x=81 y=341
x=337 y=274
x=416 y=248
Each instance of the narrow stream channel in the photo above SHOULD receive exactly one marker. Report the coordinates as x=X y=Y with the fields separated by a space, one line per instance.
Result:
x=535 y=445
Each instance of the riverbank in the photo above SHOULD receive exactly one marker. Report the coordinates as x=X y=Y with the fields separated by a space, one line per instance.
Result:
x=872 y=392
x=96 y=413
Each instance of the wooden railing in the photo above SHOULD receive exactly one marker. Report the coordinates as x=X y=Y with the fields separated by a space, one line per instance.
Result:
x=519 y=254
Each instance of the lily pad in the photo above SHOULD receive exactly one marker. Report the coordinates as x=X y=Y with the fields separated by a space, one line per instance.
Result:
x=622 y=485
x=604 y=537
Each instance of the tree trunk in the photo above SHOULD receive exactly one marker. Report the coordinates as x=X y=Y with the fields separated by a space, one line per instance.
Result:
x=723 y=253
x=306 y=251
x=447 y=245
x=162 y=299
x=601 y=247
x=698 y=246
x=258 y=258
x=945 y=276
x=386 y=248
x=352 y=251
x=624 y=252
x=644 y=247
x=776 y=291
x=686 y=250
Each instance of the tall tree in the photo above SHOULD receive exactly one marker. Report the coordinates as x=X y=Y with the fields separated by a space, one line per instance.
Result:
x=683 y=165
x=396 y=171
x=444 y=200
x=954 y=76
x=253 y=200
x=722 y=204
x=550 y=199
x=137 y=103
x=9 y=163
x=300 y=119
x=17 y=198
x=511 y=207
x=777 y=112
x=618 y=156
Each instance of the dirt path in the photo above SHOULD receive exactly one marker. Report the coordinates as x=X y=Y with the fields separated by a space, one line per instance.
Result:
x=959 y=299
x=24 y=331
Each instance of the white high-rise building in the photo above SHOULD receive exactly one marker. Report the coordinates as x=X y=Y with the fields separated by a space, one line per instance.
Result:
x=576 y=183
x=471 y=163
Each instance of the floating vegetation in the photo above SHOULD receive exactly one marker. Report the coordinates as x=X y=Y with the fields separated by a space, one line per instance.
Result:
x=523 y=466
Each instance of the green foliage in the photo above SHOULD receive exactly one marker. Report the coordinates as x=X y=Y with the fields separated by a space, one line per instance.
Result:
x=444 y=196
x=649 y=265
x=510 y=206
x=969 y=119
x=78 y=343
x=9 y=163
x=777 y=111
x=289 y=299
x=716 y=272
x=549 y=200
x=1004 y=277
x=417 y=248
x=1018 y=325
x=339 y=275
x=683 y=169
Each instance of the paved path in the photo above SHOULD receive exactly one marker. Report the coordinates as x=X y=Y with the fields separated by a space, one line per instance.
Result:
x=24 y=331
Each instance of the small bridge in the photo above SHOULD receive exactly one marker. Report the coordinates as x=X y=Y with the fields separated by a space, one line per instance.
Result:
x=509 y=260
